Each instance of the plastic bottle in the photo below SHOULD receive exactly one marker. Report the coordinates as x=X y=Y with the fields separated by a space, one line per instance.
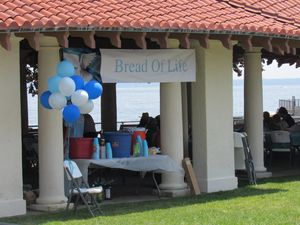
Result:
x=96 y=152
x=139 y=141
x=108 y=150
x=145 y=148
x=136 y=150
x=102 y=149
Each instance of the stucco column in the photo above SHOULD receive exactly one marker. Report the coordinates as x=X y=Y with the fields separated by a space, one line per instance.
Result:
x=11 y=184
x=253 y=106
x=212 y=118
x=51 y=174
x=171 y=134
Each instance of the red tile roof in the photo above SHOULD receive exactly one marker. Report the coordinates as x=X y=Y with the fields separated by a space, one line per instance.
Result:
x=276 y=17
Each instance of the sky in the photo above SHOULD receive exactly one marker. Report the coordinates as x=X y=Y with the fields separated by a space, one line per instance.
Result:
x=273 y=72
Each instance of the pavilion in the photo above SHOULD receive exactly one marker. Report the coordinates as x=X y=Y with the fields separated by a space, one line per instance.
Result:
x=217 y=30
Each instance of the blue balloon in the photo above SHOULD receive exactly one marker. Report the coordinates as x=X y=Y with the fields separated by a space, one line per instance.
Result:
x=93 y=88
x=71 y=113
x=79 y=82
x=45 y=99
x=65 y=69
x=53 y=83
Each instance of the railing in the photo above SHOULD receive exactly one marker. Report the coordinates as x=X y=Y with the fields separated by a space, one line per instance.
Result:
x=34 y=128
x=292 y=105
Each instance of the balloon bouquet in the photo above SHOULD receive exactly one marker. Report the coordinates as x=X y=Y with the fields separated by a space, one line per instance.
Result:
x=68 y=92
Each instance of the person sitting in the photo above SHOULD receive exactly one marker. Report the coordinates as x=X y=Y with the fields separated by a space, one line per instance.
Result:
x=283 y=113
x=89 y=129
x=268 y=123
x=144 y=120
x=278 y=123
x=151 y=129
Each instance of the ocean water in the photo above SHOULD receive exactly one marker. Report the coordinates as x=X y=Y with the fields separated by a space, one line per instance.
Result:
x=134 y=99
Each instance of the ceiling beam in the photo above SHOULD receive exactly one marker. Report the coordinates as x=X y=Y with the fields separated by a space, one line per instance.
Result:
x=202 y=38
x=224 y=38
x=161 y=38
x=87 y=36
x=294 y=43
x=114 y=37
x=182 y=38
x=244 y=40
x=5 y=41
x=138 y=37
x=281 y=44
x=278 y=50
x=264 y=42
x=293 y=51
x=33 y=39
x=62 y=37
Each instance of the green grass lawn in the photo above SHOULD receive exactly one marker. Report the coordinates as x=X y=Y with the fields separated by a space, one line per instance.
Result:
x=272 y=201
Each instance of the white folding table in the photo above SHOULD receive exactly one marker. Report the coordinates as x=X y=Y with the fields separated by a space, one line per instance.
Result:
x=153 y=163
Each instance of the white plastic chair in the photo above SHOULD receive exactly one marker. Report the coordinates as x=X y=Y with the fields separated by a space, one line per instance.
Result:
x=80 y=189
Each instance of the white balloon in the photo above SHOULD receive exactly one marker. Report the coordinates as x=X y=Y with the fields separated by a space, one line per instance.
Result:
x=57 y=100
x=87 y=107
x=66 y=86
x=79 y=97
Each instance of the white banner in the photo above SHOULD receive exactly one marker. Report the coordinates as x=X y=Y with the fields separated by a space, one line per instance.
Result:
x=155 y=65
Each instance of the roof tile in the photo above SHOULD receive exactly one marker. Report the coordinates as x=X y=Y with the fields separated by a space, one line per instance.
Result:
x=270 y=16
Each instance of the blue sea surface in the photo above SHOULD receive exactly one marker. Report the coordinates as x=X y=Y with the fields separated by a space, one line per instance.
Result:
x=135 y=98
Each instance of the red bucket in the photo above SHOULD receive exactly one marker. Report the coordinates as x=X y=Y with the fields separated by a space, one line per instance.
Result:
x=81 y=148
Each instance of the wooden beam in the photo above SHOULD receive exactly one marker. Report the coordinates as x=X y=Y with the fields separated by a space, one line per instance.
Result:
x=114 y=37
x=162 y=38
x=202 y=38
x=61 y=36
x=224 y=38
x=293 y=51
x=5 y=41
x=182 y=38
x=33 y=39
x=87 y=36
x=138 y=37
x=190 y=176
x=264 y=42
x=278 y=50
x=294 y=43
x=281 y=44
x=244 y=40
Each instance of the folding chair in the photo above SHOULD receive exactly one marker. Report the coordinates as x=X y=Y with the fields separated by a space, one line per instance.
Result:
x=80 y=189
x=281 y=142
x=295 y=140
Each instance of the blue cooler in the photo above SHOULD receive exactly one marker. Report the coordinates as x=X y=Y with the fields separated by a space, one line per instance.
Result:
x=120 y=143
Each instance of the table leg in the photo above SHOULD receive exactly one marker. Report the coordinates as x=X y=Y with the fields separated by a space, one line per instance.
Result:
x=156 y=184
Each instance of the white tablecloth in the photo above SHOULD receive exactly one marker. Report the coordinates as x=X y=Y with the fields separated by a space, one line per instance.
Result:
x=154 y=163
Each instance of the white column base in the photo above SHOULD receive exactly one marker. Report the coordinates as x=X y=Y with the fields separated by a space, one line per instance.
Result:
x=51 y=200
x=218 y=184
x=171 y=181
x=174 y=193
x=12 y=208
x=48 y=207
